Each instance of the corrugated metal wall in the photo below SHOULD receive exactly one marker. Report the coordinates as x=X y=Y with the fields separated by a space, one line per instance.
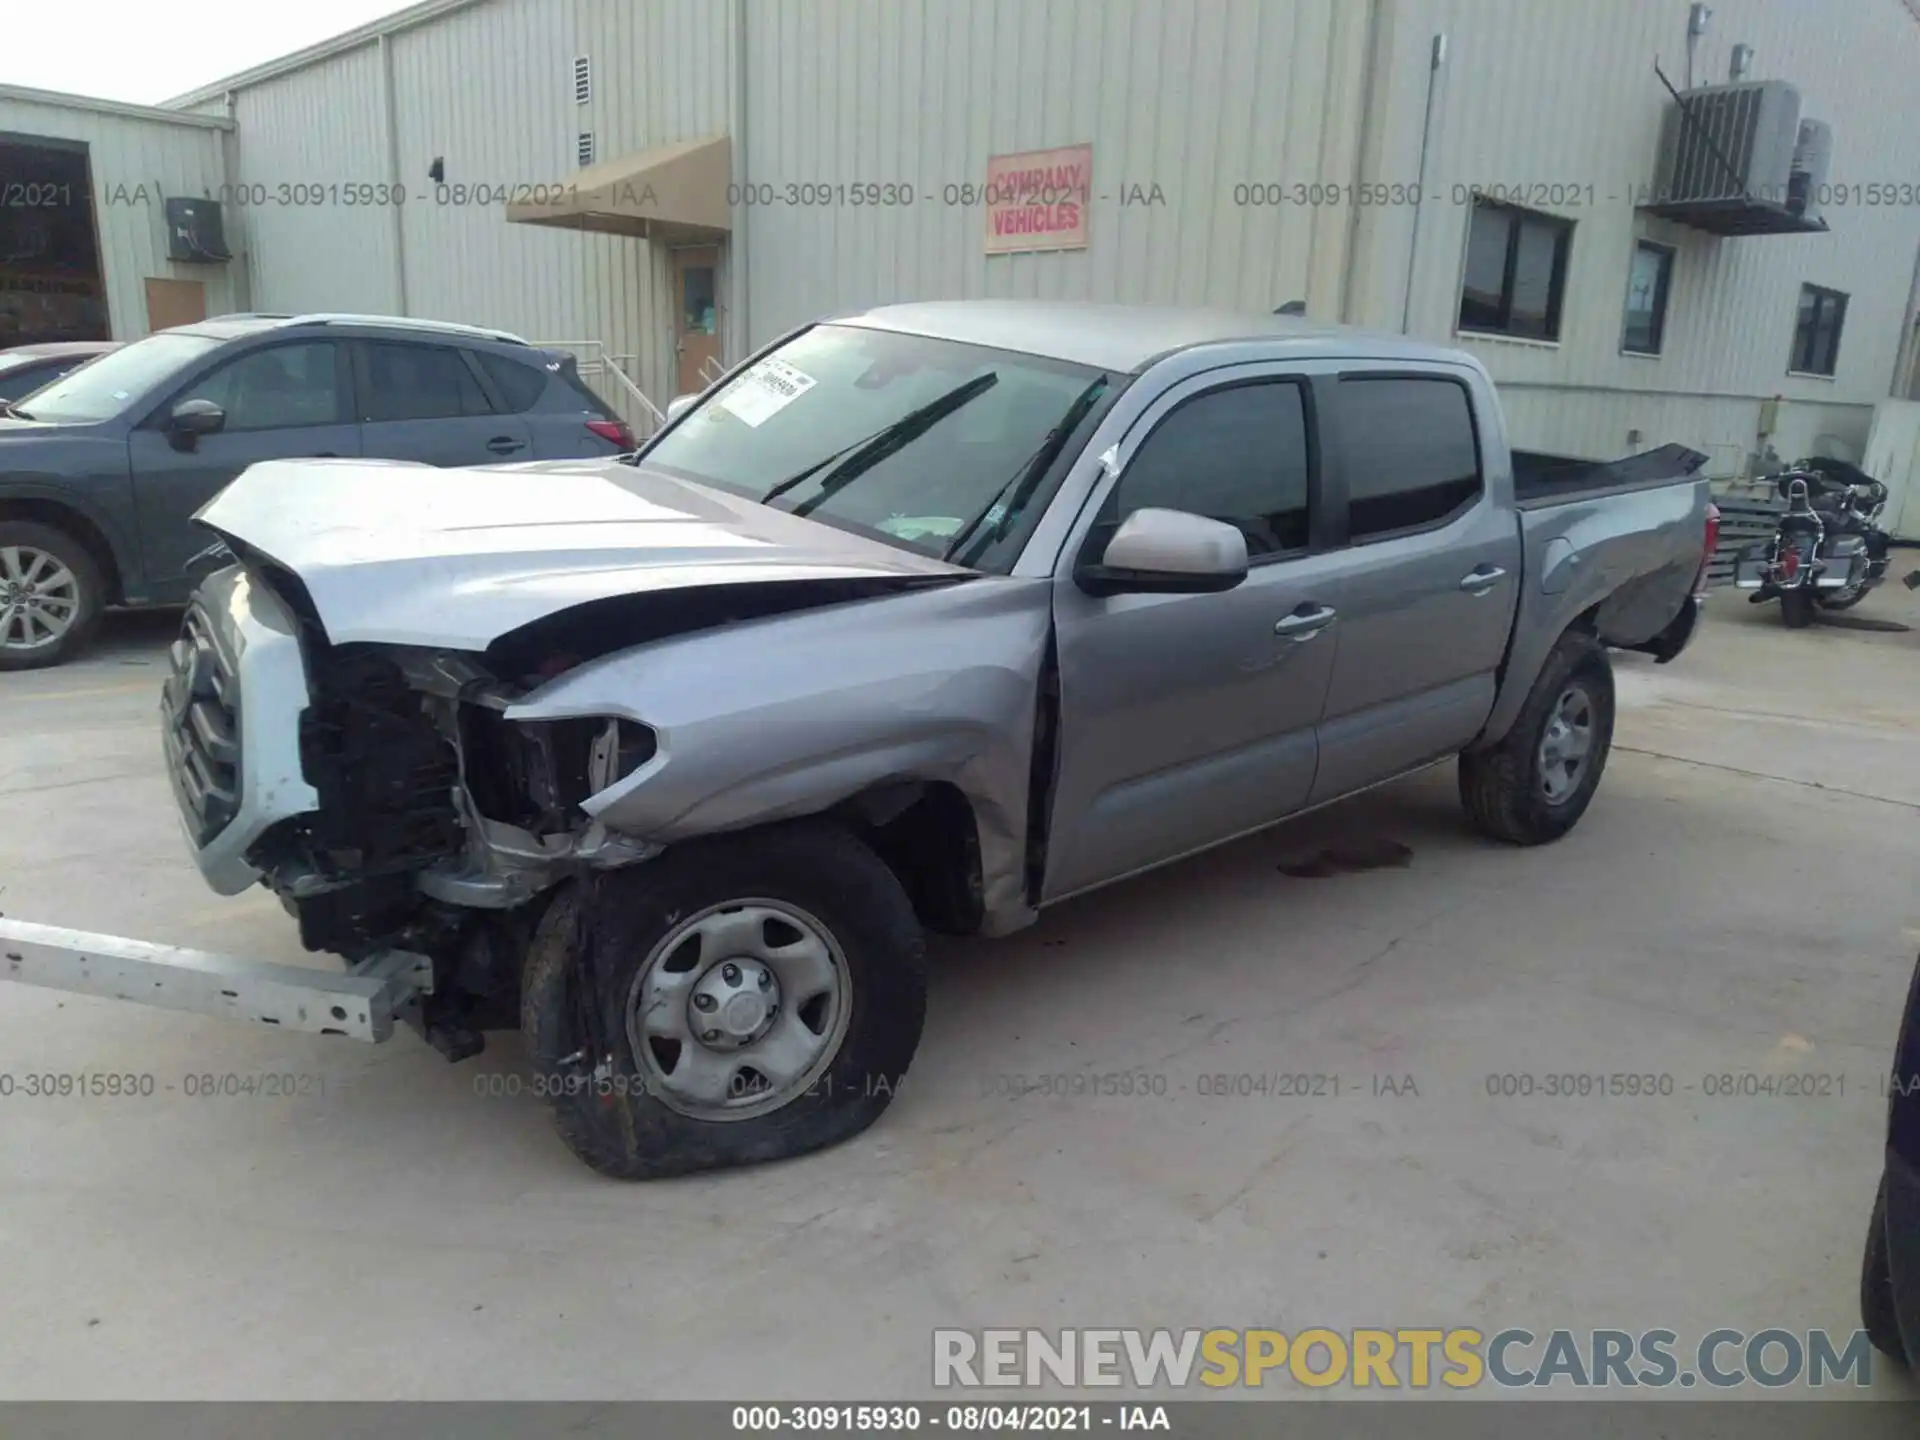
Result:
x=1566 y=94
x=1185 y=103
x=300 y=134
x=1181 y=101
x=136 y=163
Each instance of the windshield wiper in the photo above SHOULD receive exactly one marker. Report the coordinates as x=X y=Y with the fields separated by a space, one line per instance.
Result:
x=861 y=456
x=1011 y=497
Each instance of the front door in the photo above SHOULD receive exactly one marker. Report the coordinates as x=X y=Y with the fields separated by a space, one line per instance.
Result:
x=696 y=310
x=1189 y=719
x=280 y=402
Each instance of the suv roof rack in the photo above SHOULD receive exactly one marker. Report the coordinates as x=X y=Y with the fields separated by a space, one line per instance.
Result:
x=404 y=322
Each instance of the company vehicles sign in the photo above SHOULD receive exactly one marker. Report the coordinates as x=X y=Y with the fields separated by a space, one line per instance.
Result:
x=1037 y=200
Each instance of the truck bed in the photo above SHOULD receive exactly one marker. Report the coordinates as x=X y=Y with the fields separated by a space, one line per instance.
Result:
x=1623 y=540
x=1542 y=479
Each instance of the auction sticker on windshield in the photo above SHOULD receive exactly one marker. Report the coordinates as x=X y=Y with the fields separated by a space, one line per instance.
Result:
x=765 y=390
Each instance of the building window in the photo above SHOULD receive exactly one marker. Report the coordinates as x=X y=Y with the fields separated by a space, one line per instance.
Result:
x=1516 y=271
x=1816 y=331
x=584 y=149
x=1647 y=281
x=582 y=80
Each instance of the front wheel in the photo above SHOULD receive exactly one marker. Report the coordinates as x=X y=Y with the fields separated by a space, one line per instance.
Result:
x=1796 y=609
x=738 y=999
x=1536 y=783
x=50 y=595
x=1844 y=598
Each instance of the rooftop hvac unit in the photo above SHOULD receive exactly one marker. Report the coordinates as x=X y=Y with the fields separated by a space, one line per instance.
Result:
x=1726 y=159
x=1807 y=182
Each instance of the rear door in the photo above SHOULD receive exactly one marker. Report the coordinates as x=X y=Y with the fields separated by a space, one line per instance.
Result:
x=1431 y=576
x=282 y=401
x=1188 y=719
x=432 y=403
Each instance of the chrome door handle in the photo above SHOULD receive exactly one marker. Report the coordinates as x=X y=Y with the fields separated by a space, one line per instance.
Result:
x=1478 y=582
x=1303 y=624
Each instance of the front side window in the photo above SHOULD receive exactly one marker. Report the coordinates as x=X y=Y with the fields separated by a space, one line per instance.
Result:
x=1516 y=272
x=1237 y=454
x=1647 y=281
x=793 y=430
x=1409 y=453
x=1816 y=331
x=277 y=387
x=119 y=380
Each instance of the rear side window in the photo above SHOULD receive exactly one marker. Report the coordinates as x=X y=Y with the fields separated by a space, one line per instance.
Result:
x=1411 y=459
x=1237 y=454
x=420 y=382
x=520 y=386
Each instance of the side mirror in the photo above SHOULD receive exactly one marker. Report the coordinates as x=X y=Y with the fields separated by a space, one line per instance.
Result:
x=1168 y=552
x=191 y=419
x=679 y=405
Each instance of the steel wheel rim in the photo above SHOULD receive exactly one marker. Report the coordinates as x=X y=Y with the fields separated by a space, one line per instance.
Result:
x=39 y=598
x=739 y=1010
x=1567 y=744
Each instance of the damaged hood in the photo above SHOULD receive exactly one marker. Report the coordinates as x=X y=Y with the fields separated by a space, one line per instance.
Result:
x=402 y=553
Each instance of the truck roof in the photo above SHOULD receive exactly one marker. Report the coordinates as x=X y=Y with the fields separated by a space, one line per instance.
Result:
x=1129 y=338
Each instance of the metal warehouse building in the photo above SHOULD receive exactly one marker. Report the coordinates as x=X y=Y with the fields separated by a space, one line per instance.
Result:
x=668 y=184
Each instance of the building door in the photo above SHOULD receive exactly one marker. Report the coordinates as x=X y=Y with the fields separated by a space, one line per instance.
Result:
x=174 y=302
x=696 y=309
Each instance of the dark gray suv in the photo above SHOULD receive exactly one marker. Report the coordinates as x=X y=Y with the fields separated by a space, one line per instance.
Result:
x=102 y=471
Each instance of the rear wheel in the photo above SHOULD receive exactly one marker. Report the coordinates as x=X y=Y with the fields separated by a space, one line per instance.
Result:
x=1537 y=782
x=50 y=595
x=739 y=999
x=1796 y=609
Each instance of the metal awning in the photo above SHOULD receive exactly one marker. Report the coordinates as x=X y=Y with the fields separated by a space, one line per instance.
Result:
x=676 y=193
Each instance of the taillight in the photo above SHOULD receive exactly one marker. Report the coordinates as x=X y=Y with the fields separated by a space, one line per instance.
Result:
x=1712 y=544
x=1789 y=563
x=615 y=431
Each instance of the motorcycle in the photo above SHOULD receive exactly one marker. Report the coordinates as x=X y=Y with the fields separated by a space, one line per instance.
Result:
x=1828 y=549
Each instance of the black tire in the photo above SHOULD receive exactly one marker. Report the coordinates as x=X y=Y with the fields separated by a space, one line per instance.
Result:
x=1796 y=609
x=610 y=1117
x=1878 y=1316
x=1840 y=599
x=1503 y=788
x=90 y=586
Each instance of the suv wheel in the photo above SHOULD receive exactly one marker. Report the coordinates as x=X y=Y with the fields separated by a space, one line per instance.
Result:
x=50 y=595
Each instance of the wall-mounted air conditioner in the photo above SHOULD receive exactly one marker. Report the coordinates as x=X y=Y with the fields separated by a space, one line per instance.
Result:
x=1727 y=157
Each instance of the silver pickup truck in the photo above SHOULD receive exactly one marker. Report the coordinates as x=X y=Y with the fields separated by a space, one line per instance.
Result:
x=923 y=618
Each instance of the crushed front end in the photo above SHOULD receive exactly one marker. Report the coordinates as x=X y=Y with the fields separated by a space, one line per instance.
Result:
x=380 y=791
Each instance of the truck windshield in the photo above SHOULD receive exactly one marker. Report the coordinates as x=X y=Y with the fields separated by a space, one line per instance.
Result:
x=102 y=389
x=784 y=430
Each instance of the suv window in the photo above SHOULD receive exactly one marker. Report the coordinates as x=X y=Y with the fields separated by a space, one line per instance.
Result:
x=1410 y=456
x=276 y=387
x=519 y=385
x=420 y=382
x=1237 y=454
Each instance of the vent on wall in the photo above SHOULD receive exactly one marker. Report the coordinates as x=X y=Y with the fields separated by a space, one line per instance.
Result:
x=586 y=147
x=582 y=80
